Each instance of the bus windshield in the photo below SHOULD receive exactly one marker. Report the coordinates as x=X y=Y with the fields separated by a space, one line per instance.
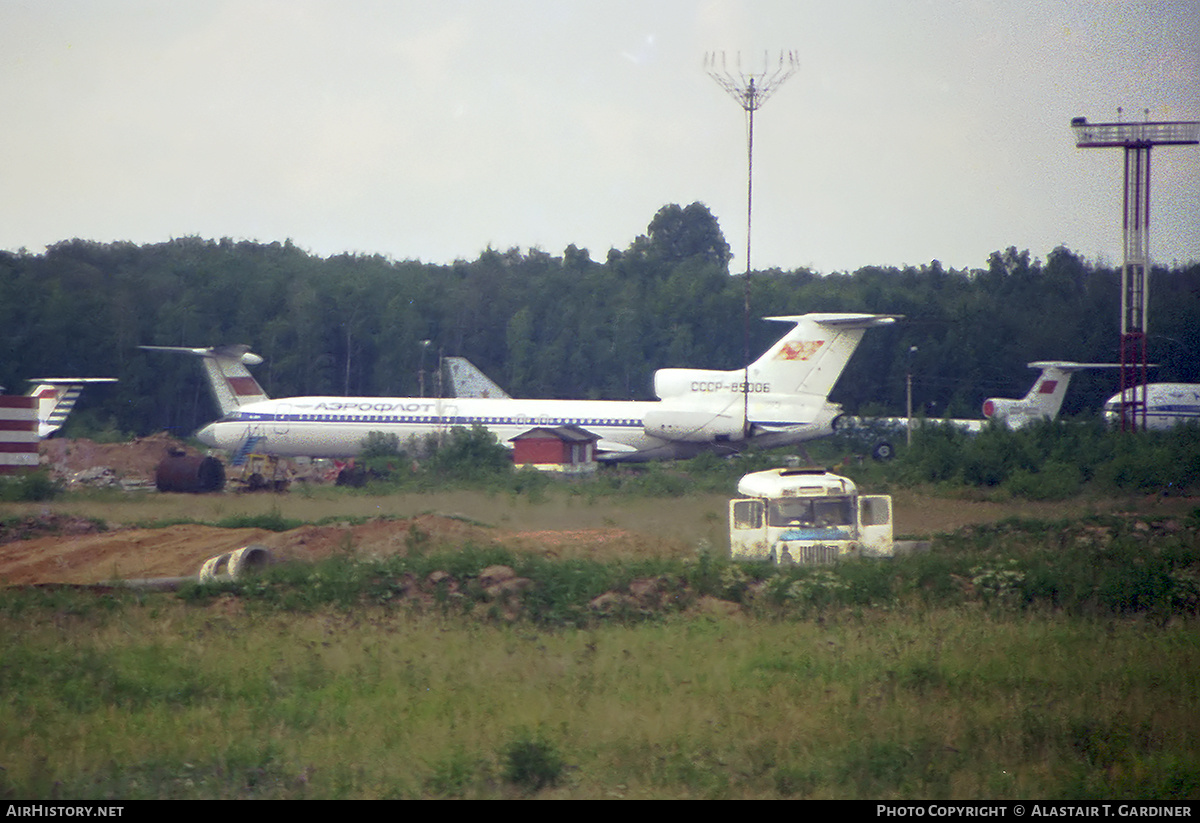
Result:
x=816 y=512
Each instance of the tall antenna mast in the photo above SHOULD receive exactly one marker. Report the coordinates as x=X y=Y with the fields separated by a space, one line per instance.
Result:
x=750 y=90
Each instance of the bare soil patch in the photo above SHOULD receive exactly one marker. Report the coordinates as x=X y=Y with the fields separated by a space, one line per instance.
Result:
x=179 y=551
x=46 y=544
x=82 y=460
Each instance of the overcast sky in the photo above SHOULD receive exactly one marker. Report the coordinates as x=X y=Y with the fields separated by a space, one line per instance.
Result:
x=913 y=130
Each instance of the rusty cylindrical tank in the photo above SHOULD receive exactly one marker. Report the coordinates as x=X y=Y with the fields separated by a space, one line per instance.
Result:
x=185 y=473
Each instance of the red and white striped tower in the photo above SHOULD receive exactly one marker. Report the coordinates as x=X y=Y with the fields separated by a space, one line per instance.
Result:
x=18 y=433
x=1136 y=139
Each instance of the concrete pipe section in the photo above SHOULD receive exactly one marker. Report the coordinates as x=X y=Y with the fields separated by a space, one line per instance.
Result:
x=235 y=565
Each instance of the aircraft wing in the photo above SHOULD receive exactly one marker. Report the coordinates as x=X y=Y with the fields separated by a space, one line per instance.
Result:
x=614 y=447
x=778 y=428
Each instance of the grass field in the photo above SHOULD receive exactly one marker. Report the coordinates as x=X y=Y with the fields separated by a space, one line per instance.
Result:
x=161 y=699
x=1011 y=662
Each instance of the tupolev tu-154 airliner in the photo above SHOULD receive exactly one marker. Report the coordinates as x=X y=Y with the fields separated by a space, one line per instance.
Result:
x=779 y=400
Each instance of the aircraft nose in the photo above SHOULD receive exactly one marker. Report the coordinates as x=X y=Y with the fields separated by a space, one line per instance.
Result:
x=208 y=436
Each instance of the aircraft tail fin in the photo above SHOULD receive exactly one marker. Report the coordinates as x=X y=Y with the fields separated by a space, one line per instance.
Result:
x=468 y=381
x=56 y=398
x=810 y=358
x=1045 y=397
x=231 y=382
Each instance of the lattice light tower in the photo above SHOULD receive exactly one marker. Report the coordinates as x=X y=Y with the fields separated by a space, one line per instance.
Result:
x=750 y=90
x=1136 y=139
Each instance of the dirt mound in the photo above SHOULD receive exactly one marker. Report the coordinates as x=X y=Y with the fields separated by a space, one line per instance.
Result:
x=175 y=551
x=84 y=461
x=178 y=551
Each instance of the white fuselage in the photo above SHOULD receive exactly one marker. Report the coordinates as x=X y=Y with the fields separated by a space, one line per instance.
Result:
x=1167 y=405
x=336 y=426
x=779 y=399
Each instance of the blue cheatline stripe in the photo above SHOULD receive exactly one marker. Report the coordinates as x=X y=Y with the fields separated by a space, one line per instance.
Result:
x=451 y=421
x=1174 y=411
x=441 y=421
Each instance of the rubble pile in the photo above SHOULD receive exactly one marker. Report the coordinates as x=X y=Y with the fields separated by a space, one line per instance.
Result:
x=128 y=465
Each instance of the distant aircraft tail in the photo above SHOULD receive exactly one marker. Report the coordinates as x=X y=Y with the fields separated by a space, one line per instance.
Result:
x=1044 y=399
x=56 y=398
x=232 y=384
x=468 y=381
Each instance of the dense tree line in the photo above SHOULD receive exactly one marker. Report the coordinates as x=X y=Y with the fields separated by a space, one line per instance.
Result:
x=543 y=325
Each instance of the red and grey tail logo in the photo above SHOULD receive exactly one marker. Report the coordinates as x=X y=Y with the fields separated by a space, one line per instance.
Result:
x=799 y=350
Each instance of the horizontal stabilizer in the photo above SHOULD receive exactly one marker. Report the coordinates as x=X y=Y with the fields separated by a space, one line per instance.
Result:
x=238 y=352
x=56 y=398
x=225 y=366
x=73 y=380
x=845 y=320
x=1068 y=365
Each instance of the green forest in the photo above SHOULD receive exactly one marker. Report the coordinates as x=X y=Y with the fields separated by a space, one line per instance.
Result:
x=555 y=325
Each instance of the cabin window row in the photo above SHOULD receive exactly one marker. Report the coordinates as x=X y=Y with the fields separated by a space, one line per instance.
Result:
x=447 y=421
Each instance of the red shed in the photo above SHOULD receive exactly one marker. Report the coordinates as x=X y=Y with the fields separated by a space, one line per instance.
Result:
x=568 y=449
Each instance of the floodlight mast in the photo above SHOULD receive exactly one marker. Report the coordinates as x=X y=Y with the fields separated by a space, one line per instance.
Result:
x=750 y=90
x=1136 y=139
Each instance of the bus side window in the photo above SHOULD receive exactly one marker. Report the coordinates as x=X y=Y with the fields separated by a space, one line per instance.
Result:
x=747 y=514
x=875 y=511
